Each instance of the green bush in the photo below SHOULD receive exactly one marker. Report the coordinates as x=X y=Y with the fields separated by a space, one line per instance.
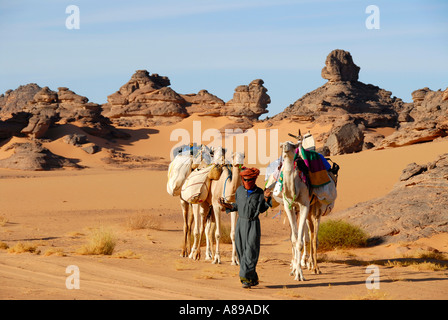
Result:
x=340 y=234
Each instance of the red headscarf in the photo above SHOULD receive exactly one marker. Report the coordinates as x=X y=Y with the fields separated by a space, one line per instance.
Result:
x=249 y=177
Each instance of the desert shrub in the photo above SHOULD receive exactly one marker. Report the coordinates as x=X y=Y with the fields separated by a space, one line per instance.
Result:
x=101 y=241
x=3 y=220
x=142 y=222
x=21 y=247
x=340 y=234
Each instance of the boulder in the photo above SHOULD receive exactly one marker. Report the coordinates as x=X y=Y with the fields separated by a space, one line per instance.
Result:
x=345 y=138
x=75 y=139
x=90 y=148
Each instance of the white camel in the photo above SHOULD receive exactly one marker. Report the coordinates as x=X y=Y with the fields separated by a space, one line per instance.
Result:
x=322 y=202
x=225 y=188
x=296 y=203
x=201 y=212
x=174 y=185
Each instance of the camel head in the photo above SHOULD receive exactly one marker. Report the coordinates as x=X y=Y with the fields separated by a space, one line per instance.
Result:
x=203 y=156
x=219 y=155
x=237 y=158
x=288 y=149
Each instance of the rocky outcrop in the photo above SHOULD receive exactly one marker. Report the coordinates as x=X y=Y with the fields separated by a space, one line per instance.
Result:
x=415 y=208
x=445 y=95
x=145 y=97
x=49 y=107
x=203 y=103
x=14 y=101
x=14 y=125
x=249 y=101
x=427 y=119
x=33 y=156
x=339 y=66
x=148 y=100
x=344 y=95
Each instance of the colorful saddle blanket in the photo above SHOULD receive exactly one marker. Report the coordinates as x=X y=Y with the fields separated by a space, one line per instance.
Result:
x=317 y=167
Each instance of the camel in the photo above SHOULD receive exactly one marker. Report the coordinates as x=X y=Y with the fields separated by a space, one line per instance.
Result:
x=320 y=206
x=201 y=159
x=296 y=203
x=322 y=201
x=201 y=212
x=225 y=188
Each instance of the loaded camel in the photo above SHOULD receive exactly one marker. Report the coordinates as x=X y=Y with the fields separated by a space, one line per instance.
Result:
x=322 y=201
x=184 y=165
x=225 y=187
x=202 y=211
x=296 y=202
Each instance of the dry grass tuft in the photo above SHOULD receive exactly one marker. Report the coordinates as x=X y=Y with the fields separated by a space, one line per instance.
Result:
x=21 y=247
x=340 y=234
x=101 y=242
x=3 y=221
x=142 y=222
x=55 y=252
x=127 y=254
x=374 y=294
x=3 y=246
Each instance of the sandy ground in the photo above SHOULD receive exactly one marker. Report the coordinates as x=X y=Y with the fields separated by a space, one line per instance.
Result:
x=58 y=210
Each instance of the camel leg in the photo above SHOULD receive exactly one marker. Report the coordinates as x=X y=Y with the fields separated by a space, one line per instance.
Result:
x=186 y=244
x=299 y=245
x=197 y=232
x=316 y=269
x=293 y=224
x=210 y=225
x=233 y=219
x=201 y=217
x=217 y=214
x=310 y=225
x=304 y=261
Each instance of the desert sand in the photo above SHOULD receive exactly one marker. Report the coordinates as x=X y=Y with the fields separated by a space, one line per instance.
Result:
x=58 y=209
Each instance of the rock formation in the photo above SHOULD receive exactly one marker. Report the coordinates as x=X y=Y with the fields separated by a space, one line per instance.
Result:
x=343 y=95
x=203 y=103
x=33 y=156
x=249 y=101
x=49 y=107
x=426 y=120
x=415 y=208
x=148 y=100
x=14 y=101
x=339 y=66
x=145 y=97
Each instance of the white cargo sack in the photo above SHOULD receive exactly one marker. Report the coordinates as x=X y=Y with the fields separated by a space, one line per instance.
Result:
x=178 y=171
x=196 y=186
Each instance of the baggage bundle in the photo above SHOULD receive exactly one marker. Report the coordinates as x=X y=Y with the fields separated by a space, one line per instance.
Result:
x=178 y=171
x=196 y=186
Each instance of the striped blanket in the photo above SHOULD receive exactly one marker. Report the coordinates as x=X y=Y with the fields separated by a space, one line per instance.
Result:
x=317 y=170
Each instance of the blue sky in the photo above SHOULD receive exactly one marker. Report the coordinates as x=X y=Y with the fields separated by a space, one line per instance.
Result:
x=218 y=45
